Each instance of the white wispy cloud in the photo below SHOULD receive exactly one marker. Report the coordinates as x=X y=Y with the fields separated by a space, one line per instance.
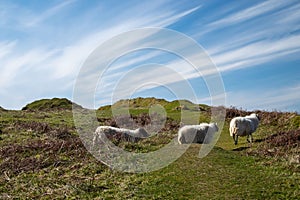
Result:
x=15 y=65
x=256 y=53
x=72 y=57
x=38 y=18
x=276 y=25
x=284 y=98
x=6 y=48
x=289 y=16
x=18 y=17
x=171 y=17
x=271 y=40
x=249 y=13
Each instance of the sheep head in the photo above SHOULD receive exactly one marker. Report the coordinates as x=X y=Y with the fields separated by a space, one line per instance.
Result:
x=255 y=115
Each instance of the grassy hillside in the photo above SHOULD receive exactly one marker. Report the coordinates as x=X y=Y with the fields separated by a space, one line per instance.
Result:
x=50 y=105
x=41 y=156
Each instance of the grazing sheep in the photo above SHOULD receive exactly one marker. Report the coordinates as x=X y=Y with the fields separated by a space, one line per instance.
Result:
x=197 y=133
x=243 y=126
x=120 y=134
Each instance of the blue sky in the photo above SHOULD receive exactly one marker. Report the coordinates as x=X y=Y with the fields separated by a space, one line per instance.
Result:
x=254 y=44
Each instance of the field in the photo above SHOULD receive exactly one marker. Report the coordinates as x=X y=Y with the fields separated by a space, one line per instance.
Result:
x=41 y=156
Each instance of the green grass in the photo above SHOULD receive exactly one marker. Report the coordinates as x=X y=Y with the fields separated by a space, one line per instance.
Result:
x=220 y=176
x=50 y=104
x=41 y=156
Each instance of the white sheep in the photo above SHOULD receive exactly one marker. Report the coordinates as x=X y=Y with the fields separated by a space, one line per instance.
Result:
x=119 y=134
x=197 y=133
x=243 y=126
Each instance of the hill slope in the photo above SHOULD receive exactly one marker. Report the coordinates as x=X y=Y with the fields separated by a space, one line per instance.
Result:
x=50 y=104
x=41 y=156
x=144 y=103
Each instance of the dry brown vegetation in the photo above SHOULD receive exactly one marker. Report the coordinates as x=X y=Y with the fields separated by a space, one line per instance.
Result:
x=142 y=119
x=282 y=146
x=49 y=148
x=60 y=132
x=38 y=154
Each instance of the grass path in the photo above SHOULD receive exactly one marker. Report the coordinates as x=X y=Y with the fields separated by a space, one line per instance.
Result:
x=220 y=175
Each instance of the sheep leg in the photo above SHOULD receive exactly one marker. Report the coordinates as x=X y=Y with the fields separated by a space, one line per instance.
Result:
x=249 y=139
x=235 y=139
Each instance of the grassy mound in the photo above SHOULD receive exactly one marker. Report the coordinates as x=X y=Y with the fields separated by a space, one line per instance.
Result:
x=152 y=105
x=50 y=104
x=142 y=103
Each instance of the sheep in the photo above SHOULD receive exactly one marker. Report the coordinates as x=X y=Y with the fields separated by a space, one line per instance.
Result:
x=244 y=126
x=120 y=134
x=197 y=133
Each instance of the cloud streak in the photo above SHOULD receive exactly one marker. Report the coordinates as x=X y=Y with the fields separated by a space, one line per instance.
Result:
x=248 y=47
x=255 y=11
x=6 y=48
x=37 y=19
x=257 y=53
x=284 y=98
